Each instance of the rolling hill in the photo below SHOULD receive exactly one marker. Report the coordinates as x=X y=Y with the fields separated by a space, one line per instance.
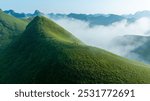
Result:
x=10 y=27
x=47 y=53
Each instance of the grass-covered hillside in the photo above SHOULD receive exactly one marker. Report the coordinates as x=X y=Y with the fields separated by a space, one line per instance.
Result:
x=10 y=27
x=47 y=53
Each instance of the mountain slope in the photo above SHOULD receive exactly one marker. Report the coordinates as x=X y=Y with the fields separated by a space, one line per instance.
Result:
x=47 y=53
x=49 y=29
x=10 y=27
x=143 y=52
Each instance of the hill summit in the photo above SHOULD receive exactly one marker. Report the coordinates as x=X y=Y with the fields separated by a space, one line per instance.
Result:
x=44 y=27
x=37 y=13
x=47 y=53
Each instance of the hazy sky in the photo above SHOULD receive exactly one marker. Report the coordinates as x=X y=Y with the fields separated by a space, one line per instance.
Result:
x=77 y=6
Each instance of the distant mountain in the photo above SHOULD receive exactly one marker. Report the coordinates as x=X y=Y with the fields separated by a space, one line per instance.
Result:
x=57 y=16
x=18 y=15
x=139 y=15
x=93 y=19
x=24 y=15
x=47 y=53
x=38 y=13
x=143 y=51
x=137 y=47
x=130 y=40
x=97 y=19
x=10 y=27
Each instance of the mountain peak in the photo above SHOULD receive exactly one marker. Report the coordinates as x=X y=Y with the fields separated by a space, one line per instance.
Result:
x=10 y=11
x=38 y=13
x=38 y=21
x=43 y=27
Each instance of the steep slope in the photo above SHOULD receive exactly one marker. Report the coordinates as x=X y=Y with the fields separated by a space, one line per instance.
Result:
x=43 y=27
x=47 y=53
x=10 y=27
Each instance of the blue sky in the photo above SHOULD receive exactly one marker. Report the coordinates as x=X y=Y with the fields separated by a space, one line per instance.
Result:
x=77 y=6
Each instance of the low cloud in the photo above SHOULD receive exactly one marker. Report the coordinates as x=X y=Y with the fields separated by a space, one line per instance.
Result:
x=103 y=36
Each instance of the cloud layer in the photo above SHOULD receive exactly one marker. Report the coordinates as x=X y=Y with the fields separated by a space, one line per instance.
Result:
x=102 y=36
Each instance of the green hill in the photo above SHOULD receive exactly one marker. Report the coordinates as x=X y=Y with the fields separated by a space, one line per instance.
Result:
x=47 y=53
x=10 y=27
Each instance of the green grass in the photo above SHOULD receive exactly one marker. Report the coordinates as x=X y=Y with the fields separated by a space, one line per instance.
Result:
x=10 y=27
x=47 y=53
x=48 y=29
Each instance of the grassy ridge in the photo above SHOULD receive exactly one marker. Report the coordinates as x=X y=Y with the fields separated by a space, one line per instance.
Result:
x=47 y=53
x=10 y=27
x=43 y=27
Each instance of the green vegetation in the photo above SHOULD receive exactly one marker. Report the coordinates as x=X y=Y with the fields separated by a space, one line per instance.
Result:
x=47 y=53
x=10 y=27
